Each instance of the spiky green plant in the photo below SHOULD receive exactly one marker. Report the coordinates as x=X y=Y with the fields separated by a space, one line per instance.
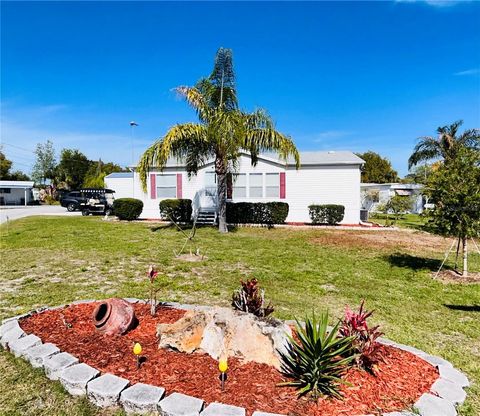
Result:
x=224 y=131
x=319 y=358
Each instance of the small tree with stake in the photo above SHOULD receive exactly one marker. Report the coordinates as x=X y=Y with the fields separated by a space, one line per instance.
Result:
x=455 y=190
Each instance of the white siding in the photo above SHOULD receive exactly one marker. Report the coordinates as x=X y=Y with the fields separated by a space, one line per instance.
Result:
x=333 y=184
x=123 y=187
x=323 y=185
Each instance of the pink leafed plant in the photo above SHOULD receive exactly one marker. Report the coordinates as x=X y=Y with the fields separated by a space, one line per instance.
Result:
x=365 y=345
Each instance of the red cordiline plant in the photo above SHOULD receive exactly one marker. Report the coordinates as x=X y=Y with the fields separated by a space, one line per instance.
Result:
x=364 y=344
x=250 y=298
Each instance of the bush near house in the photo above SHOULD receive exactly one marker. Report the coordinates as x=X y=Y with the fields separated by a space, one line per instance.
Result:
x=326 y=214
x=127 y=208
x=267 y=213
x=178 y=210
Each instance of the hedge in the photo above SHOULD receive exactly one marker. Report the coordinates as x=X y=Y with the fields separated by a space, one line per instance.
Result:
x=326 y=214
x=178 y=210
x=127 y=208
x=267 y=213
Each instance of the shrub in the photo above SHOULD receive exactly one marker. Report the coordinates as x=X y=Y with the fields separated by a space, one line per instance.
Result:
x=365 y=346
x=127 y=208
x=318 y=360
x=178 y=210
x=250 y=298
x=326 y=214
x=268 y=213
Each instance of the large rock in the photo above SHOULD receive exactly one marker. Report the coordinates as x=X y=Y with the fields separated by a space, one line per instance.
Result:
x=223 y=331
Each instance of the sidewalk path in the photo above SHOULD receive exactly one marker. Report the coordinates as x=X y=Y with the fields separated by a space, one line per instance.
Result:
x=14 y=213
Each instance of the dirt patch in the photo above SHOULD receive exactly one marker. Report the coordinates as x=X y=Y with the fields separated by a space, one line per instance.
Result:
x=190 y=257
x=451 y=276
x=407 y=240
x=401 y=378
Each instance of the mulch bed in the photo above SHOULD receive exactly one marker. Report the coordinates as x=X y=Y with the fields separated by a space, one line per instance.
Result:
x=400 y=380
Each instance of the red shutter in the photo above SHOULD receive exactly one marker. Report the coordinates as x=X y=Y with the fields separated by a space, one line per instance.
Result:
x=179 y=185
x=229 y=186
x=282 y=185
x=153 y=186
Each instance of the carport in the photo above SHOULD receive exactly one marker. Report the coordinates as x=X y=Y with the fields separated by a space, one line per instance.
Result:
x=16 y=192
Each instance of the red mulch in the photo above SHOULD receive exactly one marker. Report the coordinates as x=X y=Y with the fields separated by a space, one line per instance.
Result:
x=400 y=380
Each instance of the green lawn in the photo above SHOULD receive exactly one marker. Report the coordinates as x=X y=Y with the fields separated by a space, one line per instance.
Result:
x=51 y=261
x=414 y=221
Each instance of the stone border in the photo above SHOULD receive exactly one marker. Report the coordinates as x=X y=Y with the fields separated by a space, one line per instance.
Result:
x=109 y=390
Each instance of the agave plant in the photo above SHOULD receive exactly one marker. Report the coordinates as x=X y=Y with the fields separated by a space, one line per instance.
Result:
x=365 y=346
x=319 y=358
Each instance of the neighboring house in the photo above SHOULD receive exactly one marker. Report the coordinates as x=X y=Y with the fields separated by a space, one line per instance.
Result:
x=16 y=192
x=323 y=178
x=374 y=195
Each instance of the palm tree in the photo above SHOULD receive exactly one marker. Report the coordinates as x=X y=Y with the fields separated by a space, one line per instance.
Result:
x=222 y=133
x=445 y=146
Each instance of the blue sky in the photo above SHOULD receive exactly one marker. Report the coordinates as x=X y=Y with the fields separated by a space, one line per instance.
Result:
x=335 y=76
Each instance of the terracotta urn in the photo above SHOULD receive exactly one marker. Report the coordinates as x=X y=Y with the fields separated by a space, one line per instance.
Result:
x=114 y=316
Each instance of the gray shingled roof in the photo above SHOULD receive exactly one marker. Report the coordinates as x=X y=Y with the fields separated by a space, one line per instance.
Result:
x=342 y=157
x=120 y=175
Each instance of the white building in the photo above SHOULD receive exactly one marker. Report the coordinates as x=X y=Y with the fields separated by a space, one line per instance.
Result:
x=376 y=194
x=16 y=192
x=323 y=178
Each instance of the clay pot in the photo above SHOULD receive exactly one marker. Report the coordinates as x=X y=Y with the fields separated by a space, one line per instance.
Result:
x=114 y=317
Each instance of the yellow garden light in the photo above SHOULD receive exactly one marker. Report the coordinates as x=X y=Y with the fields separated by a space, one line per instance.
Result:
x=223 y=367
x=137 y=350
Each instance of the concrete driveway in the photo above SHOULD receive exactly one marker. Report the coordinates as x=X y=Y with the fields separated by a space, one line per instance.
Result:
x=14 y=213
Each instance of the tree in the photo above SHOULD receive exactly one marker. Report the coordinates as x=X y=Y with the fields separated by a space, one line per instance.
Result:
x=5 y=174
x=377 y=169
x=419 y=174
x=5 y=166
x=44 y=167
x=95 y=176
x=446 y=145
x=455 y=191
x=72 y=168
x=222 y=133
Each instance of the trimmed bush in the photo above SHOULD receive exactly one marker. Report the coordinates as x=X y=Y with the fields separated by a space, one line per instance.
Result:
x=178 y=210
x=127 y=208
x=267 y=213
x=326 y=214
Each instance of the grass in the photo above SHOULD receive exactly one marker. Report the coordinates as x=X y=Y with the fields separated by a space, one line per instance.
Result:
x=51 y=261
x=414 y=221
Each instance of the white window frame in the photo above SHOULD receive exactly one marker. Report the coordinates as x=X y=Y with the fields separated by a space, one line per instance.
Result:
x=277 y=186
x=262 y=194
x=159 y=187
x=234 y=187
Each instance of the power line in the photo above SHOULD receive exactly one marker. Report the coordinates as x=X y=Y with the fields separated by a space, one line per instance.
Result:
x=18 y=147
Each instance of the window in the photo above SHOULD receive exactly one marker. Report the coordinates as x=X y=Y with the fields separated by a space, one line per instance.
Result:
x=167 y=186
x=273 y=185
x=240 y=185
x=256 y=185
x=5 y=190
x=210 y=179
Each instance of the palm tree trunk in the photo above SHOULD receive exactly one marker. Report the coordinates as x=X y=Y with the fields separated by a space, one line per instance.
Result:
x=221 y=171
x=465 y=261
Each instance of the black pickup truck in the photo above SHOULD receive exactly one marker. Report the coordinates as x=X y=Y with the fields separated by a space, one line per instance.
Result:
x=74 y=200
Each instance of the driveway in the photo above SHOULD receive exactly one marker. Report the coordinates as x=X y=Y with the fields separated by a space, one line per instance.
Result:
x=14 y=213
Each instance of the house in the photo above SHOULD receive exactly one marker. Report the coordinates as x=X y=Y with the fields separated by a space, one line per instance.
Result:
x=376 y=194
x=323 y=178
x=16 y=192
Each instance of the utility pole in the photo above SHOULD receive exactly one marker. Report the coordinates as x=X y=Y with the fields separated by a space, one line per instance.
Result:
x=133 y=124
